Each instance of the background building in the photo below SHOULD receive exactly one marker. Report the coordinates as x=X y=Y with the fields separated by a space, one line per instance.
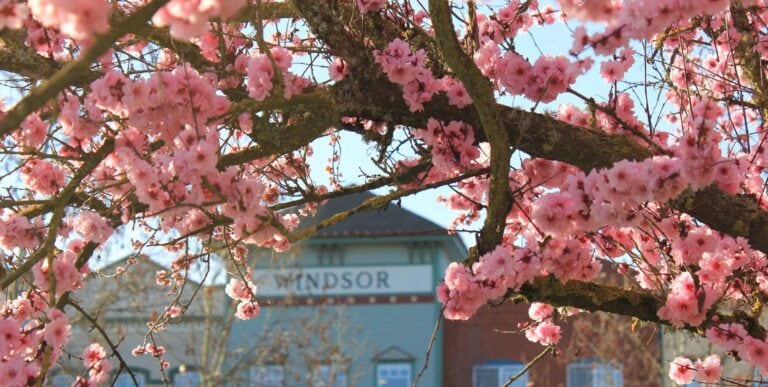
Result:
x=596 y=350
x=355 y=306
x=377 y=271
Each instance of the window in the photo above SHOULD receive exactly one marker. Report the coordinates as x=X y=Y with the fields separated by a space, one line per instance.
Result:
x=393 y=375
x=495 y=374
x=327 y=376
x=186 y=379
x=594 y=373
x=267 y=376
x=125 y=380
x=330 y=255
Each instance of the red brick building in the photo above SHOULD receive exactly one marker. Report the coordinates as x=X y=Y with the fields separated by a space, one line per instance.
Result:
x=596 y=350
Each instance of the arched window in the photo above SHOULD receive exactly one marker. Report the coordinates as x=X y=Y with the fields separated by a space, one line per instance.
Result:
x=497 y=373
x=594 y=373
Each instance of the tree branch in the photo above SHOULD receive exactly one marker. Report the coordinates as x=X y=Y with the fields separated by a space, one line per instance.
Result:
x=368 y=94
x=75 y=69
x=483 y=100
x=639 y=304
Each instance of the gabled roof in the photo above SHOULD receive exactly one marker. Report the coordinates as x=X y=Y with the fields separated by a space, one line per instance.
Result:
x=385 y=222
x=393 y=353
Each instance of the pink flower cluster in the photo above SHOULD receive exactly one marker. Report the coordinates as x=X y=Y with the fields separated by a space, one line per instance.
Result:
x=18 y=231
x=505 y=24
x=544 y=333
x=33 y=131
x=92 y=227
x=462 y=293
x=734 y=337
x=12 y=14
x=24 y=327
x=20 y=338
x=453 y=148
x=687 y=303
x=539 y=311
x=543 y=330
x=613 y=70
x=607 y=196
x=261 y=70
x=151 y=349
x=338 y=69
x=407 y=68
x=43 y=177
x=543 y=81
x=95 y=360
x=683 y=371
x=465 y=290
x=189 y=18
x=611 y=196
x=370 y=5
x=635 y=19
x=80 y=19
x=57 y=330
x=67 y=276
x=244 y=292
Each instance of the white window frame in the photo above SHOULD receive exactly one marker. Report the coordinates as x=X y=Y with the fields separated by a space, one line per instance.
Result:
x=397 y=367
x=503 y=372
x=272 y=375
x=598 y=372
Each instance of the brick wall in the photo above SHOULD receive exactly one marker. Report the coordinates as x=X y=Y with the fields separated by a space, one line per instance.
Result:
x=485 y=338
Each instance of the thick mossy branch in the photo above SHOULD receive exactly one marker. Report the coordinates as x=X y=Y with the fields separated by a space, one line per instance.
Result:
x=737 y=216
x=480 y=90
x=18 y=58
x=310 y=115
x=268 y=11
x=640 y=304
x=749 y=59
x=593 y=297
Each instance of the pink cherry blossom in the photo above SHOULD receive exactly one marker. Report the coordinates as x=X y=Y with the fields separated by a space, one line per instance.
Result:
x=78 y=18
x=682 y=371
x=247 y=310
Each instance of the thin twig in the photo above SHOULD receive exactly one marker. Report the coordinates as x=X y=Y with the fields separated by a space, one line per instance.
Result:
x=429 y=348
x=528 y=366
x=104 y=334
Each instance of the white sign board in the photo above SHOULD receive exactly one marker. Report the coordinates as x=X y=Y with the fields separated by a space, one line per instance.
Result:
x=350 y=280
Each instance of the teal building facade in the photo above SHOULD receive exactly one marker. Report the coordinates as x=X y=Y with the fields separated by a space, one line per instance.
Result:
x=355 y=304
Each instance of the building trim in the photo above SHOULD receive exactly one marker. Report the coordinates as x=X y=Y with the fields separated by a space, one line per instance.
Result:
x=347 y=300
